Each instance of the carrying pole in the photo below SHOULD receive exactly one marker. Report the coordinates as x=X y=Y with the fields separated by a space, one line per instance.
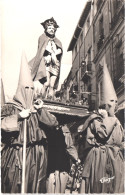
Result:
x=71 y=190
x=24 y=157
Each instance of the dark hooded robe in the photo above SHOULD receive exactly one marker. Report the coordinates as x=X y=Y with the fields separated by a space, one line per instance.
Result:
x=104 y=163
x=13 y=138
x=37 y=64
x=60 y=150
x=12 y=131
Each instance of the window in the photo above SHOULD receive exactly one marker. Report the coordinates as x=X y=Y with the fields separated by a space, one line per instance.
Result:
x=77 y=76
x=89 y=55
x=94 y=33
x=81 y=37
x=90 y=87
x=116 y=4
x=89 y=60
x=88 y=22
x=119 y=64
x=101 y=33
x=100 y=91
x=101 y=29
x=99 y=2
x=116 y=15
x=76 y=49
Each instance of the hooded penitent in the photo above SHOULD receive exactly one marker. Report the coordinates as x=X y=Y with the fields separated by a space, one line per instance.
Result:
x=12 y=127
x=104 y=150
x=108 y=91
x=24 y=92
x=2 y=94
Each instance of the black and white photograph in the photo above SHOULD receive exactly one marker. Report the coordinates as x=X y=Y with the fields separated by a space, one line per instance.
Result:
x=62 y=96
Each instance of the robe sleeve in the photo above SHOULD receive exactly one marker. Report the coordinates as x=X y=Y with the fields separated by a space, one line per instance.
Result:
x=10 y=123
x=47 y=118
x=70 y=146
x=120 y=128
x=99 y=128
x=122 y=147
x=104 y=127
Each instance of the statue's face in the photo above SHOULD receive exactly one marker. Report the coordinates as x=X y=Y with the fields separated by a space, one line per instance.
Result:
x=50 y=29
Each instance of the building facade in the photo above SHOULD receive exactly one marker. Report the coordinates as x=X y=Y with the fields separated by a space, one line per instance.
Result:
x=97 y=40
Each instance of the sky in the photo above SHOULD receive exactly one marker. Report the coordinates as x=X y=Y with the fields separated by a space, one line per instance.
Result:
x=20 y=29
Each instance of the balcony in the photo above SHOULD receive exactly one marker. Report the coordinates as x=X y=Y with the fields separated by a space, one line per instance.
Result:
x=86 y=72
x=119 y=15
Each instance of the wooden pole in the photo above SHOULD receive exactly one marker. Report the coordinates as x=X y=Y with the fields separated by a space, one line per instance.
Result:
x=71 y=190
x=24 y=157
x=29 y=99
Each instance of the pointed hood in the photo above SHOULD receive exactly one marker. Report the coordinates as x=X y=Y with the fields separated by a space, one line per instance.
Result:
x=25 y=89
x=2 y=94
x=108 y=91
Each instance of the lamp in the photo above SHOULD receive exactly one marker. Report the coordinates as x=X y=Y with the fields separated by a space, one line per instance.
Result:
x=83 y=63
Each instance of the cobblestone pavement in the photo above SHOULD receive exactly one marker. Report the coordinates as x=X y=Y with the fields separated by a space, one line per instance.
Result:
x=68 y=192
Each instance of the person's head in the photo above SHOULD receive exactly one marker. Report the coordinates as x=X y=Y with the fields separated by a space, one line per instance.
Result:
x=110 y=107
x=50 y=29
x=50 y=26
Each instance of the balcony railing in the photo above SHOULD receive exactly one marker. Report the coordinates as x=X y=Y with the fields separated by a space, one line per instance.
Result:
x=99 y=2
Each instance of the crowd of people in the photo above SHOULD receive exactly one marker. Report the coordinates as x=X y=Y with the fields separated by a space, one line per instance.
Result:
x=34 y=140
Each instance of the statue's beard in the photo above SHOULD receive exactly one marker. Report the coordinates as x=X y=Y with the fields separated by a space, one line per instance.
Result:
x=49 y=35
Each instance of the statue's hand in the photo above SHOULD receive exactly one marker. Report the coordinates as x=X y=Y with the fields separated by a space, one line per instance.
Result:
x=54 y=59
x=58 y=51
x=48 y=59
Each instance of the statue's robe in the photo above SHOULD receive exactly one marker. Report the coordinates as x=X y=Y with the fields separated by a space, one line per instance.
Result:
x=37 y=64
